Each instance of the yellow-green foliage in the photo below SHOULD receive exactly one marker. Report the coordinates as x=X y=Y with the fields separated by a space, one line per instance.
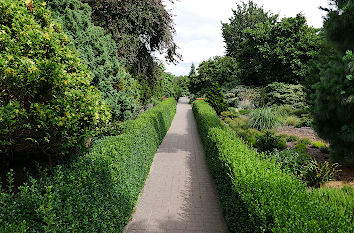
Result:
x=318 y=144
x=255 y=193
x=46 y=100
x=97 y=191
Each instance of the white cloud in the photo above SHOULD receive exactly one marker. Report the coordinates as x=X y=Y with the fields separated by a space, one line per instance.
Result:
x=198 y=25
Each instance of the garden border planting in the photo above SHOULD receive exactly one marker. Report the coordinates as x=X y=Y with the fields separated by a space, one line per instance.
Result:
x=96 y=192
x=255 y=193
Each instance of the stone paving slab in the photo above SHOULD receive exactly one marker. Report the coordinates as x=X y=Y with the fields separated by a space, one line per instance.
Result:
x=179 y=194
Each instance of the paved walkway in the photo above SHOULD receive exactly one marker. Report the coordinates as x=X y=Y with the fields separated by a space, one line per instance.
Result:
x=179 y=194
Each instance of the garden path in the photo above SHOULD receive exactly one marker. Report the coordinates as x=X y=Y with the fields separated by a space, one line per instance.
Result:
x=179 y=194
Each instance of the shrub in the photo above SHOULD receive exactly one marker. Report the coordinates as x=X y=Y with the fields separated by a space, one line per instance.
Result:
x=97 y=191
x=305 y=121
x=318 y=144
x=290 y=160
x=301 y=148
x=229 y=114
x=305 y=141
x=291 y=120
x=245 y=97
x=215 y=97
x=315 y=174
x=292 y=138
x=49 y=105
x=265 y=118
x=99 y=52
x=256 y=195
x=285 y=94
x=268 y=141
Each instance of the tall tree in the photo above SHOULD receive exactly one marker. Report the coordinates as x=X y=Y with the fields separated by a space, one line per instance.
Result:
x=139 y=28
x=339 y=24
x=192 y=70
x=333 y=108
x=98 y=51
x=278 y=52
x=246 y=16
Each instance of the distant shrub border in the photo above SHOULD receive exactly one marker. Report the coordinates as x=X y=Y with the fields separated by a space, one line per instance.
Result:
x=262 y=196
x=96 y=192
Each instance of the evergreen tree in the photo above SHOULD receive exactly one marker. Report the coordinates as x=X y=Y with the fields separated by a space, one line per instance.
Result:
x=333 y=108
x=99 y=52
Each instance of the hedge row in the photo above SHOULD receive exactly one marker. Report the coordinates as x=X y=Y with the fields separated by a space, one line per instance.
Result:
x=255 y=193
x=96 y=192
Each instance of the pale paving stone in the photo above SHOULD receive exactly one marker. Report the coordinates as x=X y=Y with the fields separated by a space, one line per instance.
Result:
x=179 y=193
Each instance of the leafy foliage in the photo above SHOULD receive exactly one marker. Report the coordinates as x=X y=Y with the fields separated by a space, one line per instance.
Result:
x=268 y=141
x=139 y=29
x=97 y=191
x=255 y=193
x=290 y=160
x=99 y=52
x=215 y=97
x=46 y=101
x=285 y=94
x=246 y=16
x=339 y=24
x=333 y=109
x=278 y=52
x=218 y=70
x=315 y=174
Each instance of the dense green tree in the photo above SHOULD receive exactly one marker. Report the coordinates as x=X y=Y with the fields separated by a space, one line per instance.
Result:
x=339 y=24
x=278 y=52
x=99 y=52
x=192 y=71
x=333 y=108
x=218 y=70
x=246 y=16
x=46 y=101
x=139 y=29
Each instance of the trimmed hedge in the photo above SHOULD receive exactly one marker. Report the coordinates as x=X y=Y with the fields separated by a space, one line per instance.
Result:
x=262 y=196
x=96 y=192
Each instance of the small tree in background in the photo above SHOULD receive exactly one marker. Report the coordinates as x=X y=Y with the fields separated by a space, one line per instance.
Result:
x=215 y=98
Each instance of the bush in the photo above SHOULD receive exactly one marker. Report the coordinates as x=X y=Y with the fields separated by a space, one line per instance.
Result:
x=268 y=141
x=290 y=160
x=285 y=94
x=49 y=105
x=301 y=147
x=292 y=138
x=316 y=174
x=305 y=121
x=97 y=191
x=305 y=141
x=215 y=97
x=291 y=120
x=99 y=52
x=265 y=118
x=245 y=97
x=256 y=195
x=318 y=144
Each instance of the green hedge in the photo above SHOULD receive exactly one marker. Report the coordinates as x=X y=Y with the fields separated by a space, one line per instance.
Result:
x=255 y=193
x=95 y=192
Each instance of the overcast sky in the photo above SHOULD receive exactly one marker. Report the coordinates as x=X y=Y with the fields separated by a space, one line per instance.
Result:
x=198 y=25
